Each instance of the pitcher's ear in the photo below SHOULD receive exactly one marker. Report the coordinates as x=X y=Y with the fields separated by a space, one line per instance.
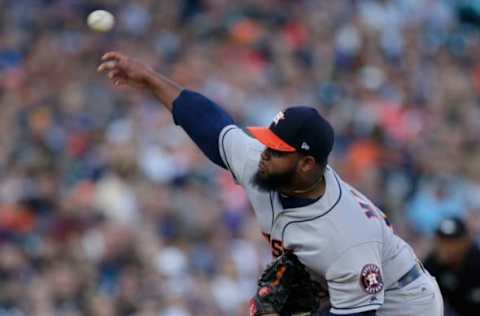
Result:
x=307 y=163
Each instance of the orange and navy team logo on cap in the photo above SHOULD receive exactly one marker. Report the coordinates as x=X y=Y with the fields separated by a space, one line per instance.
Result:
x=298 y=128
x=267 y=137
x=280 y=116
x=371 y=279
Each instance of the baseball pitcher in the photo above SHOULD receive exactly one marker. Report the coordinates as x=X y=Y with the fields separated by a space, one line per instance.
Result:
x=329 y=238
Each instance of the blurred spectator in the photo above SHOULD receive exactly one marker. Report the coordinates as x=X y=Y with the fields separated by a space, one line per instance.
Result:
x=435 y=200
x=454 y=262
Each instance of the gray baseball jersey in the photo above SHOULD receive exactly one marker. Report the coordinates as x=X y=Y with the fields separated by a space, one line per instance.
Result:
x=343 y=238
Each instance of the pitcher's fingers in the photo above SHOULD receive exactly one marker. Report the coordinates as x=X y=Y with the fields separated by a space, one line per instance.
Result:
x=114 y=74
x=112 y=55
x=119 y=82
x=107 y=66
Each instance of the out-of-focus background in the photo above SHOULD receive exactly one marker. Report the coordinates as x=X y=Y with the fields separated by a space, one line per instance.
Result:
x=107 y=208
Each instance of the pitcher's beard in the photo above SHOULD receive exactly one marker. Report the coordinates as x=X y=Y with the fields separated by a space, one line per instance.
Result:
x=272 y=182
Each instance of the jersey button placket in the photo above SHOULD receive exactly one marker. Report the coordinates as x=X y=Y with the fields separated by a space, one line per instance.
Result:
x=276 y=244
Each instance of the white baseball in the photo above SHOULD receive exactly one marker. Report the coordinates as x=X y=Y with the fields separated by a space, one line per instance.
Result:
x=100 y=20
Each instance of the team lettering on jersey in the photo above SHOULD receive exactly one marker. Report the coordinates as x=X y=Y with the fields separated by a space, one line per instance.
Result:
x=370 y=210
x=276 y=245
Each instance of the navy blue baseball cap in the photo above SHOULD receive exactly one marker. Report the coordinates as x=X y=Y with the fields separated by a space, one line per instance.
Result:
x=298 y=129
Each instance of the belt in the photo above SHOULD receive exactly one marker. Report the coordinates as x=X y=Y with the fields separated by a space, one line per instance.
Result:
x=410 y=276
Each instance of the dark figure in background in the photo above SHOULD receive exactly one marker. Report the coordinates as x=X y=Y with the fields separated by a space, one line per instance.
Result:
x=455 y=262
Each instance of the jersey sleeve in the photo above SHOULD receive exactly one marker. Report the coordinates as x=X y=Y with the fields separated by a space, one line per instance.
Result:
x=355 y=280
x=203 y=120
x=239 y=152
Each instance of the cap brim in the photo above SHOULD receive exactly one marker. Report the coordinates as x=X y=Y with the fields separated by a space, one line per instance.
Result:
x=269 y=139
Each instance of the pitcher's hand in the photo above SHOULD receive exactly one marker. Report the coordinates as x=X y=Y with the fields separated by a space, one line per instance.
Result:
x=122 y=70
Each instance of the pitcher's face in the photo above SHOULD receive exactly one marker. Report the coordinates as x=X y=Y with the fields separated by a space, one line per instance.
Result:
x=276 y=170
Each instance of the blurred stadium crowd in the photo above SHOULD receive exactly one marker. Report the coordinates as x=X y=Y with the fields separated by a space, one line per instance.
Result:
x=107 y=208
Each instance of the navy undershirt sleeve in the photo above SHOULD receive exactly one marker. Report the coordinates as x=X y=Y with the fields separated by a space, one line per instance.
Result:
x=203 y=120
